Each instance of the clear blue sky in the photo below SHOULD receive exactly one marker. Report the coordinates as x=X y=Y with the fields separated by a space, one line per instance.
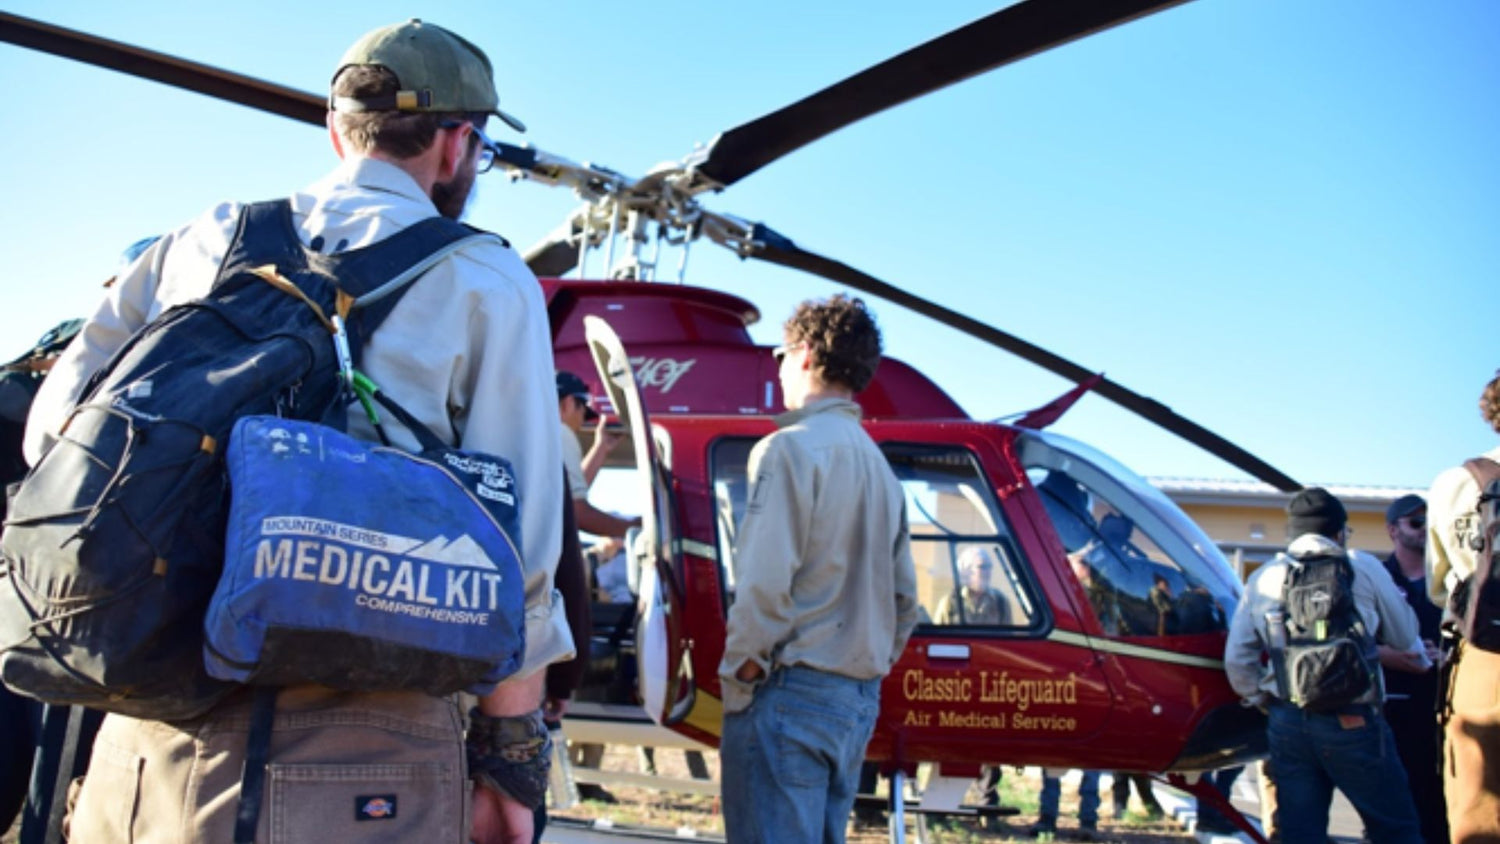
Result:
x=1280 y=217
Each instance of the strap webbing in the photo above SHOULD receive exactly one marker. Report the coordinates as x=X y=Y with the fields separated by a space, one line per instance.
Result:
x=253 y=776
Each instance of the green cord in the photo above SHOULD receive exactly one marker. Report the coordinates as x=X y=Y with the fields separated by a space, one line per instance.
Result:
x=363 y=389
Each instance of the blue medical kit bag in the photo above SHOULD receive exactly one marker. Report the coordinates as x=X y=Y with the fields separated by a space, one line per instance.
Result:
x=364 y=567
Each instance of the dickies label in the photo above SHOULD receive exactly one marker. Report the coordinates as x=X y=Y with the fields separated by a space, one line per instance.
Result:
x=375 y=807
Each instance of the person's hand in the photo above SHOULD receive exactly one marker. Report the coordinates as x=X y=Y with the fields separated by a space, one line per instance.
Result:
x=749 y=672
x=554 y=708
x=498 y=818
x=1434 y=655
x=606 y=438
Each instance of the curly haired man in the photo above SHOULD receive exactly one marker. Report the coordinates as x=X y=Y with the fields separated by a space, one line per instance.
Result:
x=826 y=594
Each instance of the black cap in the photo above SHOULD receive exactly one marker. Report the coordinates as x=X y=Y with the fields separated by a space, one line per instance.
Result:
x=569 y=384
x=1315 y=510
x=1403 y=507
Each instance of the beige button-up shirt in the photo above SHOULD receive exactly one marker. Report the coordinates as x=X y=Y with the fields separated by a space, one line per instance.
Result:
x=822 y=559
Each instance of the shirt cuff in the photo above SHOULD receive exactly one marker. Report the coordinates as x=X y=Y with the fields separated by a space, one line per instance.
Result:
x=548 y=638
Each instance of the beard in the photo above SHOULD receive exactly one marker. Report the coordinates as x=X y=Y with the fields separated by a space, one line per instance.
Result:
x=1413 y=541
x=452 y=197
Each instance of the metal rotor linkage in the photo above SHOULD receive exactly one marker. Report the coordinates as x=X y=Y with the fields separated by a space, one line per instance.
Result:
x=659 y=208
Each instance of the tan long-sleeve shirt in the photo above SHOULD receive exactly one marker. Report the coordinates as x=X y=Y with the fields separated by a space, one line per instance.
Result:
x=822 y=559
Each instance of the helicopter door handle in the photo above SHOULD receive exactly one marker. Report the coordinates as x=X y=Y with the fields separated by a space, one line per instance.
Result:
x=947 y=651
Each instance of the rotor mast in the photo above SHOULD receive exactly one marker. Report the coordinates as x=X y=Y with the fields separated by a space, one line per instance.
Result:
x=659 y=209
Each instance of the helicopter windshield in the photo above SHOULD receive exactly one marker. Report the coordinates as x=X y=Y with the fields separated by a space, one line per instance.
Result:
x=1148 y=569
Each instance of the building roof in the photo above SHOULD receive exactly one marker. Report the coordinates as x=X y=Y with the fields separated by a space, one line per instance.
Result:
x=1232 y=493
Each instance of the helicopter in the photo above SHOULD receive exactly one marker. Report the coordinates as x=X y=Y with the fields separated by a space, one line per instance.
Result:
x=1073 y=689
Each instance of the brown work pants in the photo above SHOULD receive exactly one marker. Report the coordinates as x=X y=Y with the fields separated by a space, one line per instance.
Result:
x=1471 y=769
x=344 y=767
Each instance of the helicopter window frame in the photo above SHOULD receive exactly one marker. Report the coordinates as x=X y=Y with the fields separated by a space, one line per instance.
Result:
x=728 y=465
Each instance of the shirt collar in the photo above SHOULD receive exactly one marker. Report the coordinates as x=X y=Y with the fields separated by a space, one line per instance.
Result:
x=357 y=171
x=828 y=405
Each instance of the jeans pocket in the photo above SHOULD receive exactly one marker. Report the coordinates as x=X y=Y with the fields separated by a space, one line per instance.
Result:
x=335 y=804
x=810 y=740
x=106 y=803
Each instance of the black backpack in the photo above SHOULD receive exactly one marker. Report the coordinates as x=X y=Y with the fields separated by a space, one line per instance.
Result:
x=115 y=539
x=1328 y=659
x=1475 y=604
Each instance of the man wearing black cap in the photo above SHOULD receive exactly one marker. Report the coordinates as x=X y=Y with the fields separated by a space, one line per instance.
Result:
x=1346 y=746
x=575 y=410
x=466 y=350
x=1411 y=688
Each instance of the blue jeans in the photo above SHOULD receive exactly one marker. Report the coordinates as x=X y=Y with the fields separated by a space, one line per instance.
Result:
x=1354 y=752
x=790 y=761
x=1088 y=797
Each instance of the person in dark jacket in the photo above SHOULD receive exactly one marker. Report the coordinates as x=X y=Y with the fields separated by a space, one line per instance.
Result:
x=1411 y=696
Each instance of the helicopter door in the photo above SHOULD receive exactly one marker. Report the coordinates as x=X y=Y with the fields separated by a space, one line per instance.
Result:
x=664 y=671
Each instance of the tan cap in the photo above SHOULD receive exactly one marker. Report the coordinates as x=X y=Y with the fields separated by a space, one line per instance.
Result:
x=436 y=69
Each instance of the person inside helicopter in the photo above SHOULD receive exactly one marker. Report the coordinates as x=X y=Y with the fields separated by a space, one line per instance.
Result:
x=1067 y=503
x=1134 y=587
x=973 y=600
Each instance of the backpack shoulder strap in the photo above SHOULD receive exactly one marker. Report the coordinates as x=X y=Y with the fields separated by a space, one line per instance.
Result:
x=377 y=275
x=264 y=234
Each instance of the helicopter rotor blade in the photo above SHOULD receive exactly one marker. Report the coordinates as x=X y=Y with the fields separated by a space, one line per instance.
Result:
x=1006 y=36
x=160 y=67
x=778 y=249
x=557 y=254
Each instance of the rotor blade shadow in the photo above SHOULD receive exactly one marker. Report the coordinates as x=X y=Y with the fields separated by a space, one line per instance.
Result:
x=778 y=249
x=1009 y=35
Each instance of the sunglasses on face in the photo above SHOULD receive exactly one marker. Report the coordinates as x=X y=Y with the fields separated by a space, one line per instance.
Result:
x=1416 y=522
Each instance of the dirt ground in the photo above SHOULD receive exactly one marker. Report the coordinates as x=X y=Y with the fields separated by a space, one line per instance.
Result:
x=648 y=807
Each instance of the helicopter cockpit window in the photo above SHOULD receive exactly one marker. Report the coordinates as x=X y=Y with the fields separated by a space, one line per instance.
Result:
x=969 y=568
x=1147 y=569
x=970 y=572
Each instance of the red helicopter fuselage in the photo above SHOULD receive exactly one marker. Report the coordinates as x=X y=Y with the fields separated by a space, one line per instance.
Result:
x=1104 y=659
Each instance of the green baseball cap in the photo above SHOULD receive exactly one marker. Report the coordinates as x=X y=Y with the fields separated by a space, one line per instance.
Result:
x=436 y=69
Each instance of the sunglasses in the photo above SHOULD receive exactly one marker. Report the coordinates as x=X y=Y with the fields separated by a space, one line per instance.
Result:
x=780 y=352
x=1416 y=522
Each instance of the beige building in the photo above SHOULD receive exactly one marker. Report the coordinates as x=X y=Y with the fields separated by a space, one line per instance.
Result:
x=1247 y=519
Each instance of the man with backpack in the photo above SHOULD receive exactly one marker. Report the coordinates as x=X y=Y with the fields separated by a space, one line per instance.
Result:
x=1316 y=611
x=1461 y=528
x=467 y=352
